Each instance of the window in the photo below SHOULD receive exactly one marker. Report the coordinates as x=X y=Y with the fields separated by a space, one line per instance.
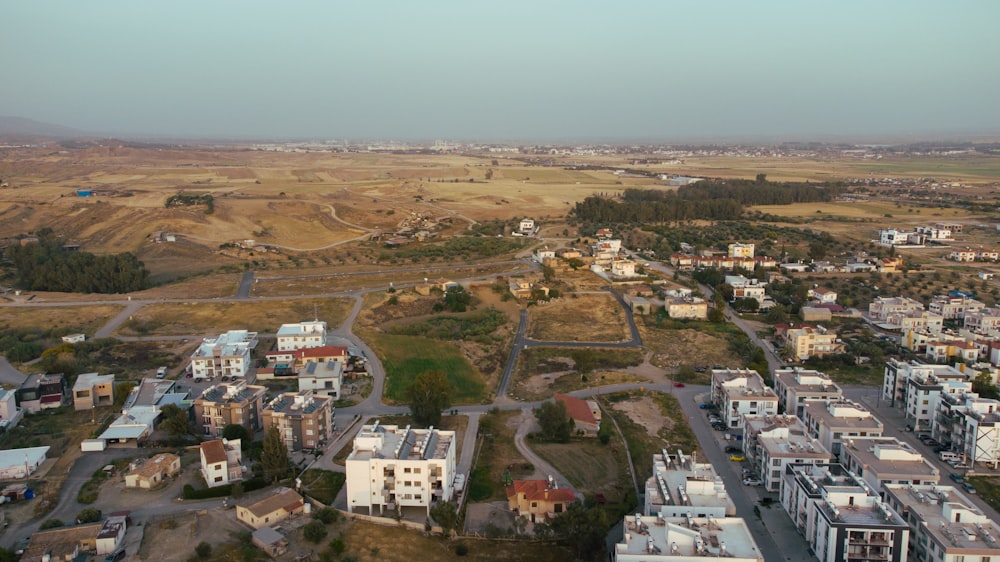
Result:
x=407 y=470
x=218 y=479
x=776 y=462
x=534 y=504
x=416 y=470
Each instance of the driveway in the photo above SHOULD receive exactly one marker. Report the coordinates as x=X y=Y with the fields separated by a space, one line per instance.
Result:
x=10 y=375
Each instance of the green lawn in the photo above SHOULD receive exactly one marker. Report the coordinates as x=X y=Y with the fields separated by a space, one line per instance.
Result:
x=405 y=357
x=988 y=488
x=324 y=485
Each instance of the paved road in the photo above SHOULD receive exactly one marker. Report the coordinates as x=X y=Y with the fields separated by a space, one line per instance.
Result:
x=246 y=283
x=10 y=375
x=515 y=351
x=543 y=469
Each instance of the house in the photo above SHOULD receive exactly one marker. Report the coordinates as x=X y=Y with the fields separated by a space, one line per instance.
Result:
x=150 y=473
x=393 y=466
x=689 y=307
x=9 y=412
x=526 y=225
x=893 y=237
x=586 y=415
x=639 y=305
x=141 y=411
x=277 y=507
x=63 y=544
x=230 y=403
x=770 y=443
x=815 y=313
x=91 y=390
x=300 y=335
x=661 y=538
x=944 y=524
x=738 y=250
x=230 y=354
x=823 y=295
x=74 y=338
x=221 y=462
x=887 y=460
x=744 y=288
x=840 y=516
x=111 y=534
x=324 y=379
x=680 y=486
x=880 y=309
x=954 y=307
x=17 y=464
x=604 y=233
x=525 y=288
x=304 y=419
x=322 y=354
x=794 y=267
x=538 y=500
x=741 y=391
x=273 y=543
x=805 y=341
x=623 y=268
x=983 y=321
x=41 y=391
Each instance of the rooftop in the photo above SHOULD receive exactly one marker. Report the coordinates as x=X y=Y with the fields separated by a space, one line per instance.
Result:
x=687 y=537
x=844 y=497
x=303 y=403
x=283 y=498
x=321 y=351
x=148 y=393
x=59 y=543
x=949 y=517
x=804 y=380
x=539 y=490
x=680 y=480
x=237 y=392
x=323 y=370
x=889 y=458
x=214 y=451
x=37 y=379
x=87 y=381
x=391 y=441
x=17 y=457
x=300 y=328
x=155 y=465
x=742 y=383
x=577 y=408
x=841 y=413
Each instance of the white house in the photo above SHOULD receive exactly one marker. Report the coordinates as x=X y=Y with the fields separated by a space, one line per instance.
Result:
x=324 y=378
x=300 y=335
x=656 y=538
x=221 y=462
x=526 y=225
x=112 y=534
x=9 y=412
x=230 y=354
x=744 y=288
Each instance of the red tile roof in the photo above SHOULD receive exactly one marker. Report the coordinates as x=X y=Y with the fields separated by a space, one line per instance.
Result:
x=214 y=451
x=577 y=409
x=322 y=351
x=538 y=490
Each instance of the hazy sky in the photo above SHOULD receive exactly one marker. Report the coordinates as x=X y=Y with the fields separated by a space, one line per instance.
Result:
x=511 y=70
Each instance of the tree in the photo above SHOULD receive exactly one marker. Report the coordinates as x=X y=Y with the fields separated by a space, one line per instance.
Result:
x=235 y=431
x=556 y=425
x=777 y=315
x=983 y=385
x=327 y=515
x=581 y=528
x=445 y=515
x=175 y=420
x=203 y=550
x=456 y=299
x=716 y=315
x=429 y=394
x=274 y=456
x=50 y=524
x=314 y=531
x=583 y=361
x=89 y=515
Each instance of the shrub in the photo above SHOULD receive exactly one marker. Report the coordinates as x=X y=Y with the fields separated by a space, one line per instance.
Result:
x=338 y=546
x=203 y=550
x=314 y=531
x=190 y=493
x=89 y=515
x=50 y=524
x=326 y=515
x=461 y=549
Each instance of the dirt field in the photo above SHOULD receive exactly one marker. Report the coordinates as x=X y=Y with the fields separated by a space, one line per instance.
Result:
x=181 y=319
x=543 y=387
x=672 y=348
x=86 y=319
x=587 y=317
x=646 y=413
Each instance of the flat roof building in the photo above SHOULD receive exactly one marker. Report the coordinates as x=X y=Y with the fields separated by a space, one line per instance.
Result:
x=301 y=335
x=795 y=386
x=771 y=443
x=945 y=526
x=741 y=391
x=680 y=486
x=886 y=460
x=686 y=539
x=832 y=421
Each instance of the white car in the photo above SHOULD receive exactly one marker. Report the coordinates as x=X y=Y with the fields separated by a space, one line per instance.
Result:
x=752 y=482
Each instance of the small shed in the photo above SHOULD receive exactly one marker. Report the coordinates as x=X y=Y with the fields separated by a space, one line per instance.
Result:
x=270 y=541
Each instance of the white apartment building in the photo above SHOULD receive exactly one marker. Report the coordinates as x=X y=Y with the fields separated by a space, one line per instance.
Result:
x=806 y=341
x=221 y=462
x=773 y=442
x=886 y=460
x=738 y=250
x=680 y=486
x=324 y=378
x=301 y=335
x=392 y=467
x=685 y=539
x=795 y=386
x=526 y=225
x=230 y=354
x=983 y=321
x=881 y=308
x=833 y=421
x=744 y=288
x=914 y=320
x=893 y=237
x=909 y=384
x=840 y=516
x=945 y=526
x=934 y=232
x=971 y=426
x=952 y=308
x=741 y=391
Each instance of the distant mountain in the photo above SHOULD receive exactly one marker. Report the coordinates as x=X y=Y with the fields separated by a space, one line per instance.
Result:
x=19 y=127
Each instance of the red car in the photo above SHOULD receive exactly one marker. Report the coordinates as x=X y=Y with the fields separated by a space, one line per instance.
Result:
x=679 y=384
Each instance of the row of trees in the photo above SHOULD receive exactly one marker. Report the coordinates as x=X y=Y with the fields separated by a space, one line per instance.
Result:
x=46 y=266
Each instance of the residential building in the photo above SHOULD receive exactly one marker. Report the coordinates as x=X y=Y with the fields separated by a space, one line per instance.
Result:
x=795 y=386
x=526 y=225
x=301 y=335
x=945 y=526
x=273 y=543
x=63 y=544
x=886 y=460
x=586 y=414
x=816 y=313
x=953 y=308
x=971 y=426
x=803 y=341
x=141 y=410
x=833 y=421
x=523 y=288
x=639 y=305
x=392 y=466
x=741 y=391
x=823 y=295
x=893 y=237
x=230 y=403
x=538 y=500
x=840 y=516
x=304 y=420
x=653 y=538
x=230 y=354
x=744 y=288
x=10 y=414
x=771 y=443
x=150 y=473
x=694 y=308
x=738 y=250
x=983 y=321
x=91 y=390
x=933 y=232
x=882 y=307
x=221 y=462
x=111 y=534
x=17 y=464
x=41 y=391
x=322 y=354
x=913 y=386
x=913 y=320
x=323 y=378
x=273 y=509
x=680 y=486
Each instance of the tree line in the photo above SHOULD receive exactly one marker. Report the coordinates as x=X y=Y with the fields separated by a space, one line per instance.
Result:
x=46 y=266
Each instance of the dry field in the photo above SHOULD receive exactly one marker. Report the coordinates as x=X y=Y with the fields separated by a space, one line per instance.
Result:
x=543 y=387
x=86 y=319
x=195 y=319
x=672 y=348
x=586 y=317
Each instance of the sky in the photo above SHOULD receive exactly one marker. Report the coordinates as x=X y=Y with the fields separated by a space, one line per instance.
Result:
x=665 y=70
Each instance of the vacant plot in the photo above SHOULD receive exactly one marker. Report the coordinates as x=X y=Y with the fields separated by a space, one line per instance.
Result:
x=197 y=287
x=58 y=319
x=673 y=431
x=588 y=318
x=497 y=455
x=590 y=467
x=543 y=371
x=340 y=281
x=405 y=357
x=692 y=343
x=181 y=319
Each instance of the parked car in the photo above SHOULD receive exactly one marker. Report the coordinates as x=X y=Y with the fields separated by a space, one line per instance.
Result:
x=956 y=477
x=679 y=385
x=732 y=449
x=115 y=556
x=968 y=487
x=753 y=482
x=737 y=458
x=719 y=426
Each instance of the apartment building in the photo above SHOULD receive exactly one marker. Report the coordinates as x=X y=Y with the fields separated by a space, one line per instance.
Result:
x=681 y=485
x=887 y=460
x=744 y=288
x=230 y=354
x=301 y=335
x=945 y=526
x=91 y=390
x=833 y=421
x=795 y=386
x=882 y=307
x=971 y=426
x=391 y=466
x=741 y=391
x=911 y=385
x=840 y=516
x=230 y=403
x=304 y=419
x=914 y=320
x=653 y=538
x=953 y=308
x=984 y=321
x=771 y=443
x=689 y=307
x=323 y=378
x=805 y=342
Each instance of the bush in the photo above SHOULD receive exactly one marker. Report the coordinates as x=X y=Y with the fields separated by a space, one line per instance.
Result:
x=461 y=549
x=190 y=493
x=314 y=531
x=50 y=524
x=338 y=546
x=89 y=515
x=203 y=550
x=326 y=515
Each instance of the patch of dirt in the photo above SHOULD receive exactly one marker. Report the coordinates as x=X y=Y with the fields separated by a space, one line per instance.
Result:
x=645 y=412
x=587 y=317
x=672 y=348
x=540 y=384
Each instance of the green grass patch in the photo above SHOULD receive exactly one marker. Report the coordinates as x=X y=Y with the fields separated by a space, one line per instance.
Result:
x=988 y=488
x=405 y=357
x=323 y=485
x=463 y=247
x=475 y=327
